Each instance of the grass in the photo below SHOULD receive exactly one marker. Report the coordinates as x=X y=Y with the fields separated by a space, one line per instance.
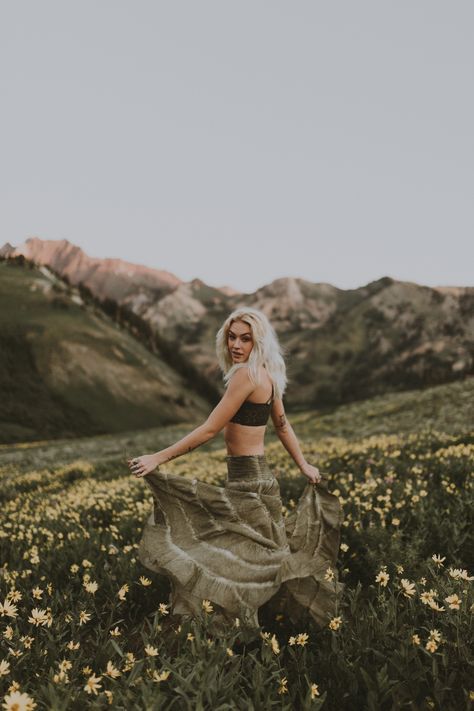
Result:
x=402 y=466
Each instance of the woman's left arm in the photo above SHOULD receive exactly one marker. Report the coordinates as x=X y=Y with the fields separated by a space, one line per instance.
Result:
x=290 y=442
x=238 y=390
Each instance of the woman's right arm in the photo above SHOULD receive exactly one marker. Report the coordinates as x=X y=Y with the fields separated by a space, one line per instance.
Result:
x=239 y=388
x=289 y=440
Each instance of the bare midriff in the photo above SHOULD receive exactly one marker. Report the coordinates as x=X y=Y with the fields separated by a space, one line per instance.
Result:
x=244 y=439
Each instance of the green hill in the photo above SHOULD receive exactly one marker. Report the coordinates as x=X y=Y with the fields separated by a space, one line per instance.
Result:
x=66 y=369
x=443 y=408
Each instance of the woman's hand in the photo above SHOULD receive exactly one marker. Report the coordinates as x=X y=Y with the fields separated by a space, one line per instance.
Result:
x=141 y=466
x=312 y=473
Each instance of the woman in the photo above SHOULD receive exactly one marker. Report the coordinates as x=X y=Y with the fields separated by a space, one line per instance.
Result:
x=231 y=544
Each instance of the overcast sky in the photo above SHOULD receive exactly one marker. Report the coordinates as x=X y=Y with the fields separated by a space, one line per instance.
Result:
x=243 y=141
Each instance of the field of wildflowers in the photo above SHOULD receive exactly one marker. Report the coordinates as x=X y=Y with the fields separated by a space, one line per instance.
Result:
x=83 y=624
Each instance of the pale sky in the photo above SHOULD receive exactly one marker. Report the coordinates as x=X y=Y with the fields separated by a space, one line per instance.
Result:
x=243 y=141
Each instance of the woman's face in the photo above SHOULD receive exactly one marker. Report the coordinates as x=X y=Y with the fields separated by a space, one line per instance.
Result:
x=239 y=341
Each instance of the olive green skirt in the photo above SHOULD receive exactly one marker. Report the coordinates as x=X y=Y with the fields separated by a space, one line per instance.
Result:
x=232 y=544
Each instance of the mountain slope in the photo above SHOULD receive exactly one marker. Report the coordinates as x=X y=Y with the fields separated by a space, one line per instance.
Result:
x=68 y=370
x=340 y=345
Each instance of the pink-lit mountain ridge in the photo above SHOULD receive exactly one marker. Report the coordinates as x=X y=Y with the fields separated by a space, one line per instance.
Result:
x=340 y=344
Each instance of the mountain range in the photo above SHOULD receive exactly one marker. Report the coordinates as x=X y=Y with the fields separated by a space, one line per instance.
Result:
x=340 y=345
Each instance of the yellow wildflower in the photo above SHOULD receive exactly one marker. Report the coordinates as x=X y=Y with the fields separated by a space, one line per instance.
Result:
x=283 y=688
x=144 y=581
x=335 y=623
x=38 y=617
x=61 y=678
x=92 y=684
x=314 y=691
x=14 y=596
x=109 y=695
x=274 y=645
x=437 y=559
x=111 y=670
x=8 y=632
x=84 y=617
x=206 y=606
x=408 y=588
x=302 y=639
x=460 y=574
x=123 y=591
x=91 y=587
x=14 y=686
x=4 y=667
x=415 y=639
x=382 y=578
x=129 y=661
x=151 y=651
x=434 y=606
x=16 y=701
x=427 y=595
x=453 y=601
x=163 y=608
x=8 y=609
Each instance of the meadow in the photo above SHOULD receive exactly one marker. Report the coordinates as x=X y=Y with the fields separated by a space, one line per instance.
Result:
x=84 y=624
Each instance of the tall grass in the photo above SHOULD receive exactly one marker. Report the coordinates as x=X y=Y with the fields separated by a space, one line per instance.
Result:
x=83 y=624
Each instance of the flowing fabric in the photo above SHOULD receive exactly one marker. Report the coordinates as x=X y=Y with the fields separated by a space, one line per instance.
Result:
x=232 y=544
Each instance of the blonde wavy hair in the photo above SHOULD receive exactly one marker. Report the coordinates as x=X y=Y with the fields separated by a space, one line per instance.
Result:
x=266 y=350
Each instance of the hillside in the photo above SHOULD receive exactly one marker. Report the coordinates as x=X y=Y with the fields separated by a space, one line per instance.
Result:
x=442 y=408
x=340 y=345
x=66 y=369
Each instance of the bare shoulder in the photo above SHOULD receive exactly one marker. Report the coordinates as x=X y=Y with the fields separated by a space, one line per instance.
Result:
x=240 y=379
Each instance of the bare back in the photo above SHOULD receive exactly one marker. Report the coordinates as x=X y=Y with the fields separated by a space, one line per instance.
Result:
x=249 y=439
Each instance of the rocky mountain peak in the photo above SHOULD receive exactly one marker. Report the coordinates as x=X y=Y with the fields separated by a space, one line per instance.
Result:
x=6 y=250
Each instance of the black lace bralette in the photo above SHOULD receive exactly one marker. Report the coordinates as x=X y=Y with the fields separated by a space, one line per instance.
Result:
x=253 y=413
